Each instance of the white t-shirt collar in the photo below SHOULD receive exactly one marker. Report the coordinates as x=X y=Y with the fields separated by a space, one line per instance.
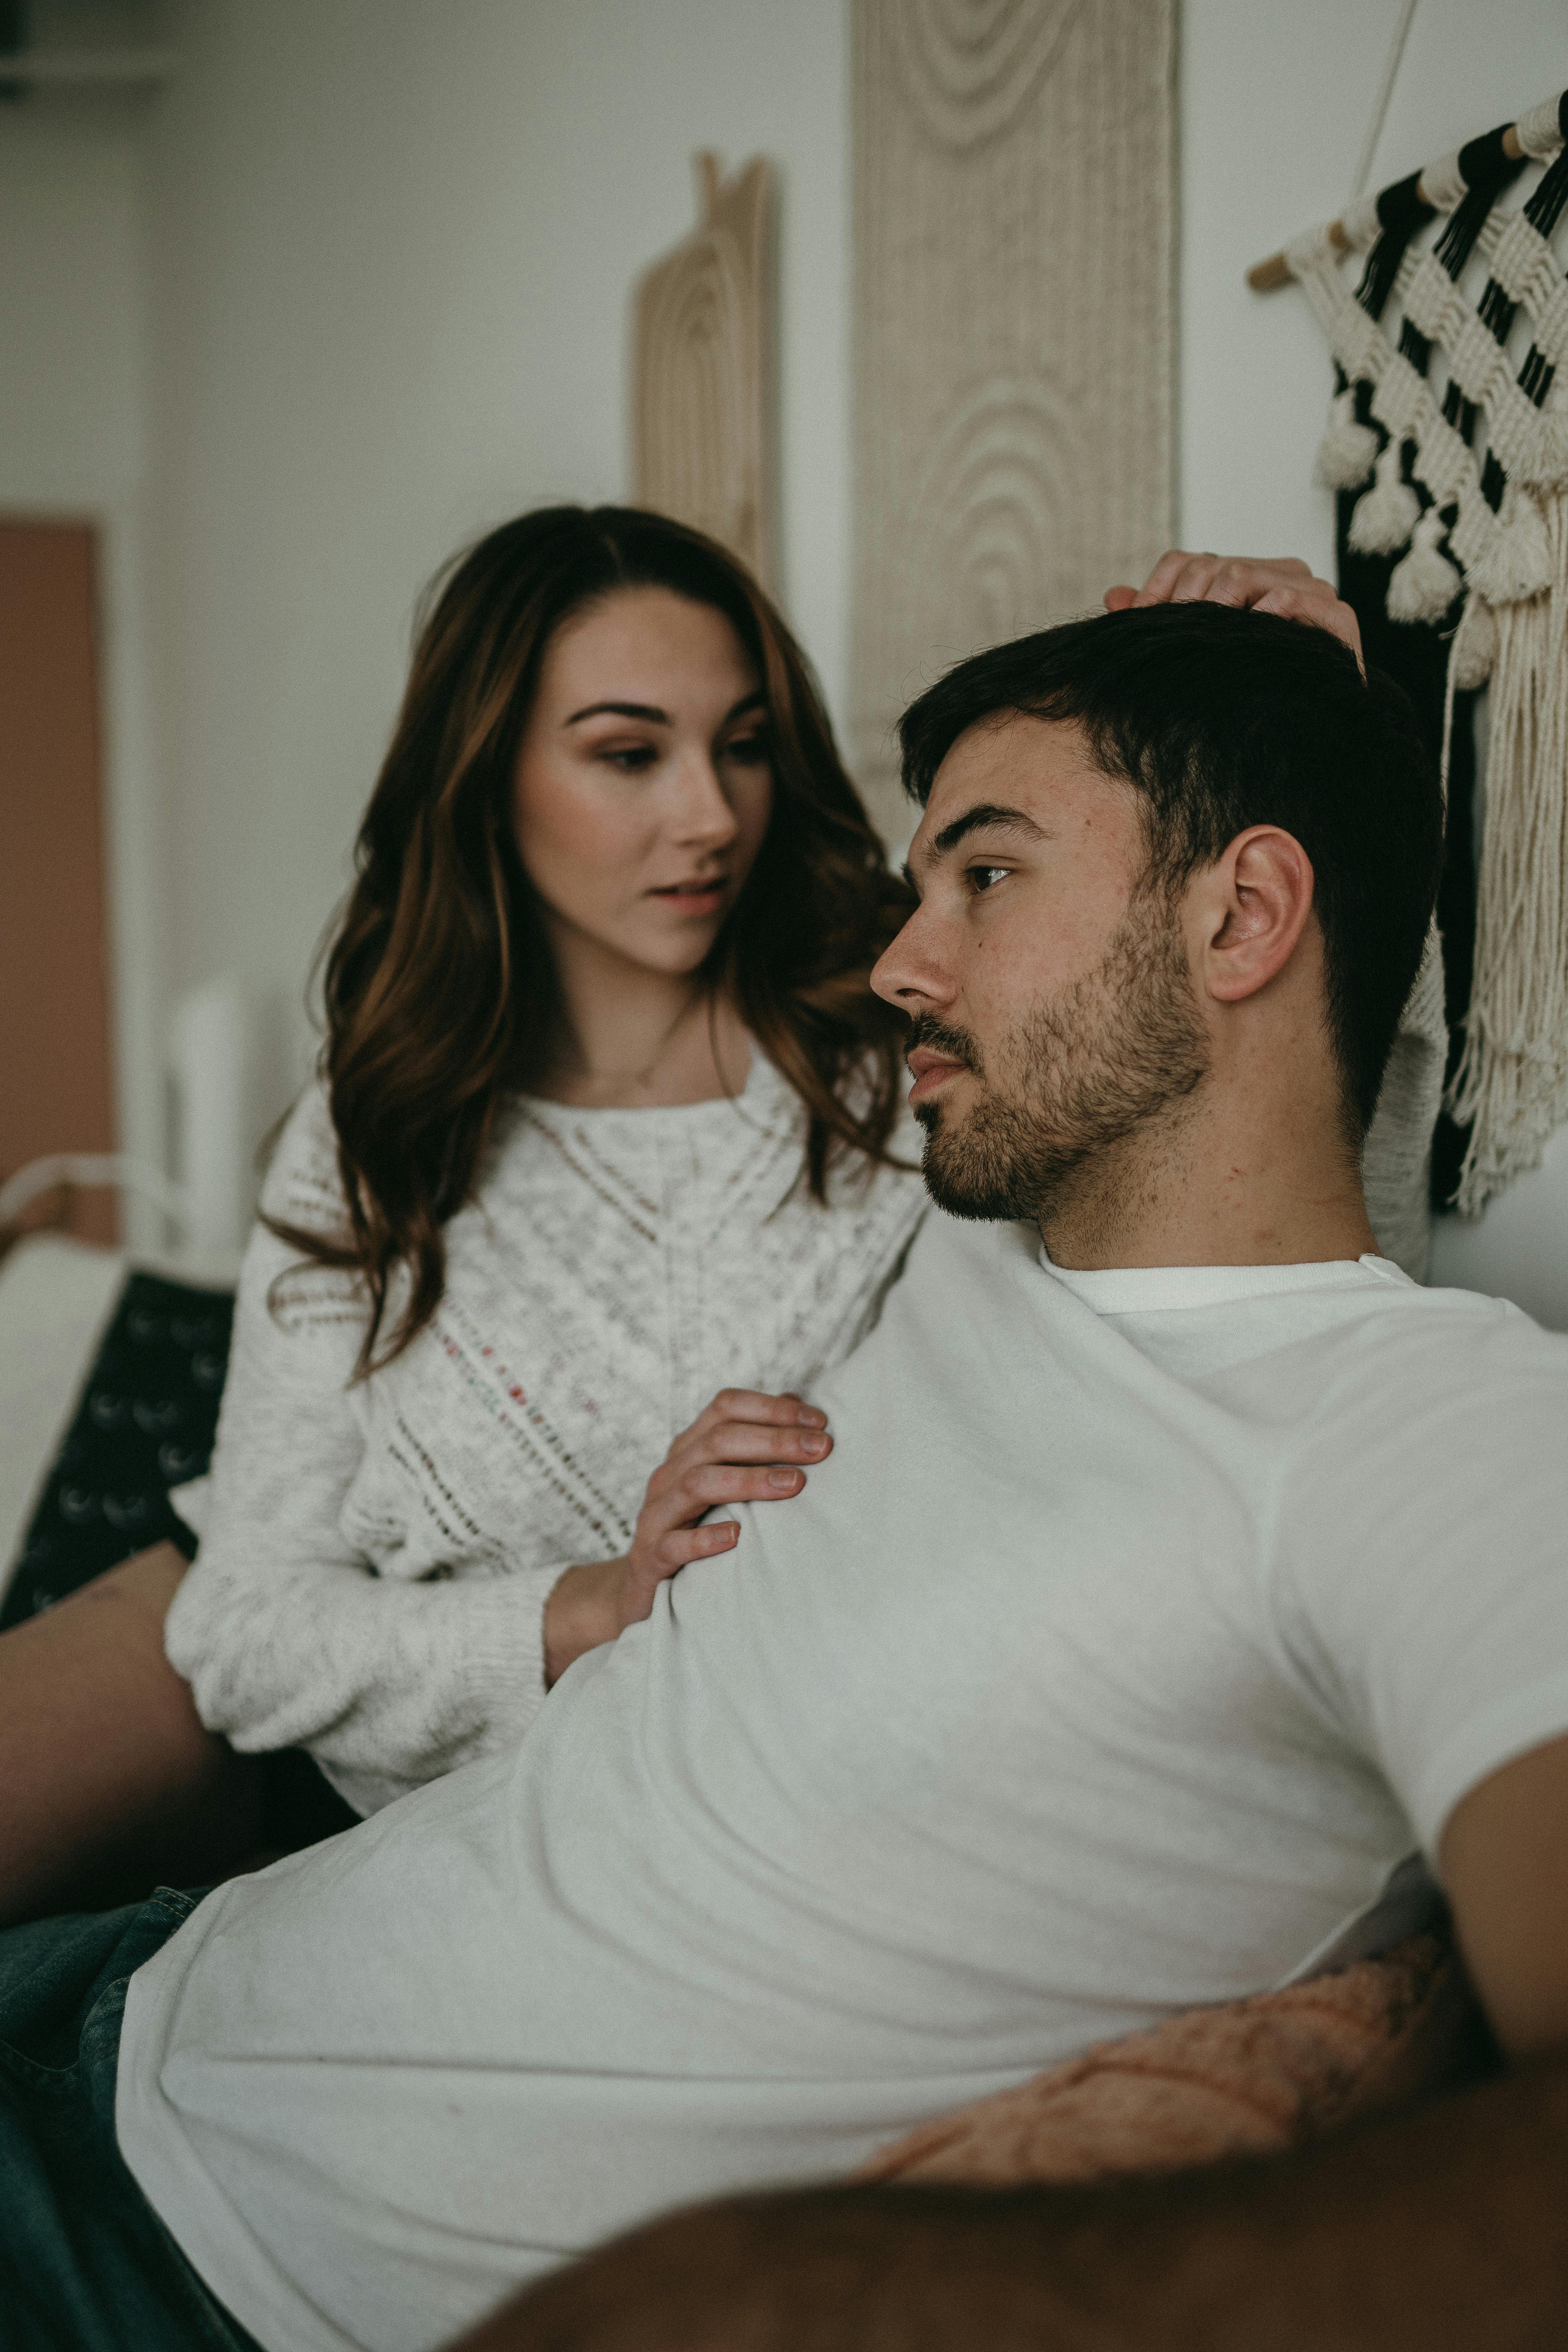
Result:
x=1145 y=1289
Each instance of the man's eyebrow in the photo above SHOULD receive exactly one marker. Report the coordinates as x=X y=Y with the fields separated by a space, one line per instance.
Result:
x=651 y=712
x=986 y=815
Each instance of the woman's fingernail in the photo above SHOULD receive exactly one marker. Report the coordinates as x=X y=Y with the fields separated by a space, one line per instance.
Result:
x=783 y=1477
x=813 y=1416
x=813 y=1445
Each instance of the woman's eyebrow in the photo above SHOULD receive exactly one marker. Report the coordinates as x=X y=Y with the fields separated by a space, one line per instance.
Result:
x=651 y=712
x=620 y=711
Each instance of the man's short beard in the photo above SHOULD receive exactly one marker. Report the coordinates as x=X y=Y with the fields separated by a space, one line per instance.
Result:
x=1120 y=1046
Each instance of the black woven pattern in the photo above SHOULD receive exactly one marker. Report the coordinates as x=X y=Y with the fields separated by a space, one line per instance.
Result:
x=1416 y=653
x=1486 y=171
x=145 y=1423
x=1401 y=211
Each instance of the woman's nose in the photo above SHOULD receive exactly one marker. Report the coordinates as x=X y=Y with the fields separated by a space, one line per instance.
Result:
x=704 y=813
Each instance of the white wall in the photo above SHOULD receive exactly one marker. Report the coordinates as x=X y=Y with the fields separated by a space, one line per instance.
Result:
x=393 y=245
x=73 y=445
x=1276 y=100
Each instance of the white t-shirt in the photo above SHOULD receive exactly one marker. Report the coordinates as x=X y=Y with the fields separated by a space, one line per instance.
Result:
x=1139 y=1624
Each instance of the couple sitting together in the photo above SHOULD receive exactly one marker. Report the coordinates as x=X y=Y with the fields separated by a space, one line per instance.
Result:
x=1159 y=1565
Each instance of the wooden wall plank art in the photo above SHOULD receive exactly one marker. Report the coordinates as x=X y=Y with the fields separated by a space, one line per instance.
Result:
x=703 y=319
x=1013 y=322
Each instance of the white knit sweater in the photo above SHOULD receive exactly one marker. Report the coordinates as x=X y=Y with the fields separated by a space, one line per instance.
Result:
x=371 y=1578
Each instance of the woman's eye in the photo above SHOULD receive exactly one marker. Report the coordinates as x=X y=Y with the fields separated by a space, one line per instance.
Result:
x=631 y=759
x=750 y=751
x=985 y=878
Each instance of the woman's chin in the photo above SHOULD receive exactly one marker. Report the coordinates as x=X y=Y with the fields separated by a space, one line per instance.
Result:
x=674 y=950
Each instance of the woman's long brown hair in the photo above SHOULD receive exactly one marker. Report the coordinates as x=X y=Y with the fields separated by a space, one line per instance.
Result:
x=440 y=990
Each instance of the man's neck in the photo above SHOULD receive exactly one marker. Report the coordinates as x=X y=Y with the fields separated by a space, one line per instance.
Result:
x=1200 y=1190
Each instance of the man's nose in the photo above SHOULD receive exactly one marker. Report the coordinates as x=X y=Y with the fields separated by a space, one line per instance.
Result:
x=912 y=971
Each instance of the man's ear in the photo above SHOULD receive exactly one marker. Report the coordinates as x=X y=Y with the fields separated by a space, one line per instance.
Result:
x=1253 y=905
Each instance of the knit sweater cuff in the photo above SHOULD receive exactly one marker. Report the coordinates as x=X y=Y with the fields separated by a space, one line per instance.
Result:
x=506 y=1664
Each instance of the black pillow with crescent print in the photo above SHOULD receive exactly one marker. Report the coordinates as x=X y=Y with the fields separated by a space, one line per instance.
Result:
x=144 y=1423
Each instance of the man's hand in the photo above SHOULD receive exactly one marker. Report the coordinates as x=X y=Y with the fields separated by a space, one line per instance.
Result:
x=743 y=1449
x=1281 y=584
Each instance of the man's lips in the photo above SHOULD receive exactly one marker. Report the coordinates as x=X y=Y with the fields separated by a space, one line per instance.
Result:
x=930 y=1069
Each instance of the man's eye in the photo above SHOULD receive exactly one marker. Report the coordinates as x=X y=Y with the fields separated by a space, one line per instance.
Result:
x=985 y=878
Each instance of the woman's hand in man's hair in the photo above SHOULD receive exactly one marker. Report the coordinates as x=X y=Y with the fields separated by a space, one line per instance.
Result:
x=1266 y=583
x=746 y=1448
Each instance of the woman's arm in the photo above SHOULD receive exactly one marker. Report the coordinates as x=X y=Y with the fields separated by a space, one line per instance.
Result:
x=287 y=1638
x=745 y=1447
x=283 y=1630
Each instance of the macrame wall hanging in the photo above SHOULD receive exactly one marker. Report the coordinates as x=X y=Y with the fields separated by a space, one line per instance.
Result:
x=1013 y=305
x=700 y=439
x=1450 y=456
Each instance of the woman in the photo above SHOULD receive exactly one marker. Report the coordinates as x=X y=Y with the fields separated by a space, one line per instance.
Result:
x=603 y=1129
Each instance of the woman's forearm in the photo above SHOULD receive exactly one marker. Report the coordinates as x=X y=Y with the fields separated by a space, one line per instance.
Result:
x=389 y=1681
x=580 y=1612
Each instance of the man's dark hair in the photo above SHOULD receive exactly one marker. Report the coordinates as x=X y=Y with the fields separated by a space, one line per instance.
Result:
x=1221 y=720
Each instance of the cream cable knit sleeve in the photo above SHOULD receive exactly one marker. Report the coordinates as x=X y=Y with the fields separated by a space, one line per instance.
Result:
x=284 y=1627
x=372 y=1576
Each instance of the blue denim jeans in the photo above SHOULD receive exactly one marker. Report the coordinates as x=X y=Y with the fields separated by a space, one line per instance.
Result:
x=85 y=2264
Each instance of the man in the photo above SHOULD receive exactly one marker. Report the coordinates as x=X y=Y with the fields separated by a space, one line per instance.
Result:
x=1161 y=1592
x=1448 y=2228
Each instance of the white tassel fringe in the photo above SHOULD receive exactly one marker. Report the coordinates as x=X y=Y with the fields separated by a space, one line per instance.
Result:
x=1348 y=451
x=1387 y=514
x=1512 y=1081
x=1520 y=564
x=1474 y=645
x=1424 y=585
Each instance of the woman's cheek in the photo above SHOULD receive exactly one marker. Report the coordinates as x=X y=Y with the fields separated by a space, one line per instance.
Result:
x=581 y=857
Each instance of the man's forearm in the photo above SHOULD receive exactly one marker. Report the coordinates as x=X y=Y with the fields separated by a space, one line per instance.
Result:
x=1445 y=2232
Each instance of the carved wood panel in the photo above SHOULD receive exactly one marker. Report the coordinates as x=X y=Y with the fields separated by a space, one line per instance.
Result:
x=1014 y=330
x=700 y=438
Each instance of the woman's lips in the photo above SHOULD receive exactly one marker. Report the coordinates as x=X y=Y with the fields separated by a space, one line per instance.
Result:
x=695 y=898
x=930 y=1070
